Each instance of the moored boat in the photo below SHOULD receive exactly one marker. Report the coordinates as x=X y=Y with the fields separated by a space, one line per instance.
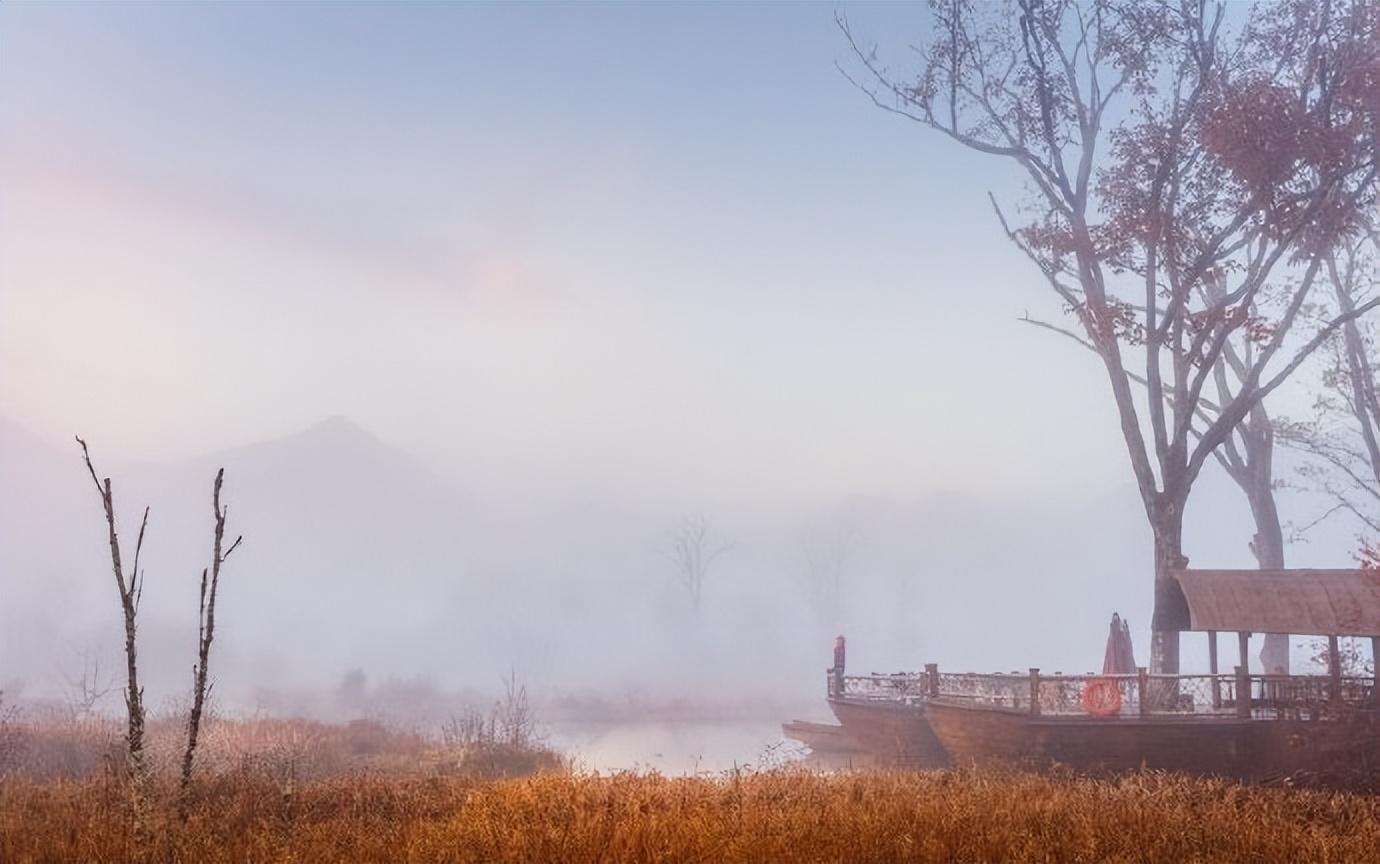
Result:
x=1237 y=725
x=896 y=732
x=1281 y=727
x=989 y=735
x=882 y=716
x=822 y=737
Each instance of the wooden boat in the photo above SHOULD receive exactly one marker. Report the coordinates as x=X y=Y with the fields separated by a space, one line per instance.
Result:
x=822 y=737
x=1283 y=725
x=1237 y=725
x=888 y=728
x=986 y=735
x=894 y=732
x=1270 y=741
x=882 y=716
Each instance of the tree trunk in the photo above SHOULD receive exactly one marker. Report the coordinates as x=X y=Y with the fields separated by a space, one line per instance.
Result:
x=1268 y=548
x=1171 y=612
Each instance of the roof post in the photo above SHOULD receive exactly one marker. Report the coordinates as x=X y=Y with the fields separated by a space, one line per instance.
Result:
x=1334 y=668
x=1212 y=667
x=1243 y=692
x=1375 y=658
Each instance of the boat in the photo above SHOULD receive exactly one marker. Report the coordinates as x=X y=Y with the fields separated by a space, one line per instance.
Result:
x=1285 y=725
x=880 y=715
x=896 y=733
x=822 y=737
x=1236 y=725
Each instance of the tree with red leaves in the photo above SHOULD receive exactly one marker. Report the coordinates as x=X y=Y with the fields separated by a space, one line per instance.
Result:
x=1185 y=182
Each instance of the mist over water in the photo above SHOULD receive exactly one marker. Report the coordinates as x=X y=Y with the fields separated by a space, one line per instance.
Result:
x=372 y=585
x=475 y=325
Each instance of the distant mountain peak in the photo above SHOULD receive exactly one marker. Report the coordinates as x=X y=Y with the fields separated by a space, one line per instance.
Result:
x=337 y=427
x=336 y=436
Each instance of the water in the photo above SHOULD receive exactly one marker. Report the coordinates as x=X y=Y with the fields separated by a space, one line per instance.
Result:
x=674 y=747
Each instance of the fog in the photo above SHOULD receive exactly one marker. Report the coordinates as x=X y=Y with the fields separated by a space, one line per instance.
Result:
x=474 y=323
x=359 y=556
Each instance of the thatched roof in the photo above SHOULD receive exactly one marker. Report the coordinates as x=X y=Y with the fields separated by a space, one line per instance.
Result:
x=1306 y=602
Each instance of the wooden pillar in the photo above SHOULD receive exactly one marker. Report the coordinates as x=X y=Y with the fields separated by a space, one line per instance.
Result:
x=1375 y=658
x=1243 y=692
x=1212 y=667
x=932 y=679
x=1243 y=674
x=1334 y=668
x=835 y=685
x=1143 y=690
x=1035 y=690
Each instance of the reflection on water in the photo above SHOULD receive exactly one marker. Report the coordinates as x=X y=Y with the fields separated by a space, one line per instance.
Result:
x=674 y=746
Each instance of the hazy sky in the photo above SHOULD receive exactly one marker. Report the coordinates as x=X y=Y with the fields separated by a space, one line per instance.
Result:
x=655 y=251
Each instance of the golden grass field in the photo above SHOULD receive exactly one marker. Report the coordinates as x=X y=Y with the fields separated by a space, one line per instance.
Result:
x=771 y=816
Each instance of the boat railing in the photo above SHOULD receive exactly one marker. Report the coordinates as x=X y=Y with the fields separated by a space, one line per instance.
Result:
x=895 y=687
x=999 y=690
x=1309 y=697
x=1136 y=695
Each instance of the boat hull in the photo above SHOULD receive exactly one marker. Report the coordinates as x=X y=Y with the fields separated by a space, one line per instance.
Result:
x=822 y=737
x=893 y=732
x=1218 y=746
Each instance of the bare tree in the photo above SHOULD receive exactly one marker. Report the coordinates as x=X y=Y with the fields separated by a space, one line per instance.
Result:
x=1247 y=456
x=516 y=724
x=86 y=690
x=1162 y=153
x=692 y=551
x=206 y=631
x=825 y=555
x=1342 y=438
x=131 y=589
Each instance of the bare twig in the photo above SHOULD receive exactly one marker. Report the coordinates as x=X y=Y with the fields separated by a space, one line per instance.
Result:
x=206 y=630
x=129 y=591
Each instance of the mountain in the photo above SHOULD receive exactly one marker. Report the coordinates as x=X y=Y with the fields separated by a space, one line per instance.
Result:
x=347 y=541
x=358 y=555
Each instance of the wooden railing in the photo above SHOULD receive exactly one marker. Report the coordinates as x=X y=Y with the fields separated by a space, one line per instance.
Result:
x=899 y=687
x=1137 y=695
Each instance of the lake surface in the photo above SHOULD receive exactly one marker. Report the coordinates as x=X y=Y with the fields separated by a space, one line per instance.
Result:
x=675 y=747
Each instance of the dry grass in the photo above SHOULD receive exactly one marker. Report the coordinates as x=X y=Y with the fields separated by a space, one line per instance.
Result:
x=70 y=746
x=773 y=816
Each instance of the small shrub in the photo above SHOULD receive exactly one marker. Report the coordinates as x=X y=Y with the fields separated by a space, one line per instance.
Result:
x=9 y=736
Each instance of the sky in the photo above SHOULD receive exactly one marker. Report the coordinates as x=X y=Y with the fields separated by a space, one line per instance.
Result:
x=658 y=252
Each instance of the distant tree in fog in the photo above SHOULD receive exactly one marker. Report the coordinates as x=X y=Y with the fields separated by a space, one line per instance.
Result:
x=90 y=687
x=825 y=554
x=692 y=550
x=1162 y=152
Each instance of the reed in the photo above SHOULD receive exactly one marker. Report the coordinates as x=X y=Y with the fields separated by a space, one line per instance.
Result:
x=782 y=815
